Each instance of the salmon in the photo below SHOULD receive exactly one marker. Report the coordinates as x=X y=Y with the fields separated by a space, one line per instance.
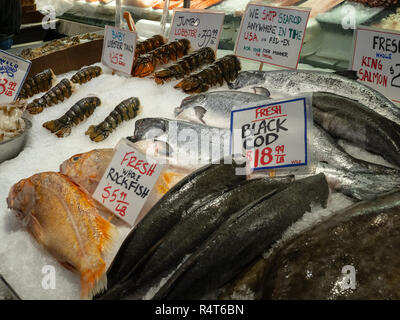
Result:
x=64 y=220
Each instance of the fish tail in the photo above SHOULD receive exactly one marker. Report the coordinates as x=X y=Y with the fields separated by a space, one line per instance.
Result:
x=93 y=281
x=109 y=234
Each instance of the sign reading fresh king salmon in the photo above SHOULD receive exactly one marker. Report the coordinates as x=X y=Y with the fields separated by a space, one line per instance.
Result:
x=127 y=182
x=201 y=27
x=119 y=49
x=13 y=71
x=272 y=135
x=377 y=60
x=272 y=35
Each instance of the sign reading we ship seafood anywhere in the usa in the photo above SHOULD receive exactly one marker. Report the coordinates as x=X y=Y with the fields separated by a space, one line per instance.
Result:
x=119 y=49
x=272 y=35
x=13 y=72
x=377 y=60
x=272 y=135
x=201 y=27
x=127 y=182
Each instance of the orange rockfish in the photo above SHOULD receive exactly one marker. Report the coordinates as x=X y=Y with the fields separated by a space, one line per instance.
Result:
x=64 y=219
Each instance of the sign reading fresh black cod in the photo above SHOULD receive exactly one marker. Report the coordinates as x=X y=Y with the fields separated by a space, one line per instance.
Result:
x=127 y=182
x=273 y=134
x=119 y=49
x=377 y=60
x=201 y=27
x=272 y=35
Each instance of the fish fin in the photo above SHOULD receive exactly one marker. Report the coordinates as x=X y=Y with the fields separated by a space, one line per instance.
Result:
x=349 y=74
x=35 y=229
x=200 y=112
x=93 y=281
x=68 y=266
x=109 y=234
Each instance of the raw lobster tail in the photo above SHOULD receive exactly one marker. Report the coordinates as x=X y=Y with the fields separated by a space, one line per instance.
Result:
x=149 y=44
x=40 y=82
x=226 y=68
x=126 y=110
x=86 y=74
x=61 y=127
x=146 y=63
x=62 y=90
x=186 y=65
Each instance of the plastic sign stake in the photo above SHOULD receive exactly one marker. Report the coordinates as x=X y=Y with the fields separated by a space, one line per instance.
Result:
x=127 y=182
x=119 y=49
x=201 y=27
x=272 y=135
x=13 y=72
x=272 y=35
x=377 y=60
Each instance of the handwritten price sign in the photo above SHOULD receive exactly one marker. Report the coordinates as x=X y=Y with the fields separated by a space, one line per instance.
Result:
x=377 y=60
x=272 y=35
x=127 y=182
x=201 y=27
x=13 y=71
x=272 y=135
x=119 y=49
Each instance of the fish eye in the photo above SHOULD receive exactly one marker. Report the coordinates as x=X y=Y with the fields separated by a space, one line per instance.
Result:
x=75 y=158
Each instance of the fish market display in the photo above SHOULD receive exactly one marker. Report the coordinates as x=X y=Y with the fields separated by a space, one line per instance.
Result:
x=40 y=82
x=149 y=44
x=58 y=44
x=195 y=4
x=51 y=207
x=186 y=65
x=226 y=68
x=242 y=238
x=350 y=255
x=318 y=6
x=62 y=126
x=214 y=108
x=206 y=182
x=194 y=228
x=126 y=110
x=392 y=22
x=58 y=93
x=86 y=74
x=349 y=120
x=301 y=81
x=377 y=3
x=11 y=122
x=187 y=145
x=147 y=63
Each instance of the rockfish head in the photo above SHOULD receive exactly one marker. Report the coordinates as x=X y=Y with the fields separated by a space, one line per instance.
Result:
x=21 y=198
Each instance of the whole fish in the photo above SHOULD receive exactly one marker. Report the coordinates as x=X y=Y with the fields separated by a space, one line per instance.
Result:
x=63 y=219
x=300 y=81
x=166 y=213
x=352 y=254
x=194 y=228
x=214 y=108
x=242 y=238
x=349 y=120
x=189 y=144
x=328 y=151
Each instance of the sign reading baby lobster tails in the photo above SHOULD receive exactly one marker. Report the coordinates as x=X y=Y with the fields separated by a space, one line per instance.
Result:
x=127 y=182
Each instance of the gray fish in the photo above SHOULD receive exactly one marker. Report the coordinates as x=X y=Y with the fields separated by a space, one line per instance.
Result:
x=242 y=238
x=214 y=108
x=300 y=81
x=349 y=120
x=189 y=145
x=353 y=254
x=196 y=226
x=326 y=150
x=207 y=181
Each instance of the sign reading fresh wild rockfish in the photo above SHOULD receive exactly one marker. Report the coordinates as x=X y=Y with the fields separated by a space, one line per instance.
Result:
x=127 y=182
x=13 y=71
x=272 y=135
x=377 y=60
x=272 y=35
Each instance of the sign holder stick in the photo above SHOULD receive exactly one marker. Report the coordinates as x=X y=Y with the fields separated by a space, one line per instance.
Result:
x=261 y=66
x=164 y=18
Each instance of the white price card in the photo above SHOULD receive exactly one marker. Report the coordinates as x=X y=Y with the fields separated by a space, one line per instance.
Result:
x=13 y=72
x=127 y=182
x=119 y=49
x=377 y=60
x=272 y=134
x=201 y=27
x=272 y=35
